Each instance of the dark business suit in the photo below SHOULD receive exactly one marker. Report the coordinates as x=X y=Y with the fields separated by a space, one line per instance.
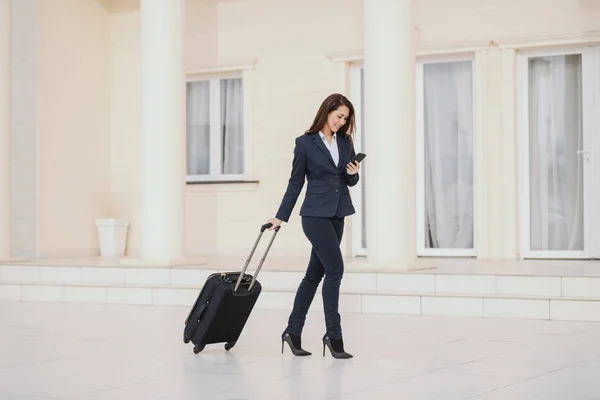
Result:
x=326 y=204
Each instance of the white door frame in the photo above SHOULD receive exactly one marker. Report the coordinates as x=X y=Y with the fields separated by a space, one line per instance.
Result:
x=589 y=121
x=420 y=159
x=357 y=197
x=592 y=69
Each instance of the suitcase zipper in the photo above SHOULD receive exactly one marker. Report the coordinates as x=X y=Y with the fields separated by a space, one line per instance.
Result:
x=224 y=278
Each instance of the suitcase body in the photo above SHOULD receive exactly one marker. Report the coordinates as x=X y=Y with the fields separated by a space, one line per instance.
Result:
x=220 y=313
x=224 y=305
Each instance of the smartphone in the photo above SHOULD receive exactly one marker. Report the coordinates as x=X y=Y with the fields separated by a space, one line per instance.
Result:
x=359 y=157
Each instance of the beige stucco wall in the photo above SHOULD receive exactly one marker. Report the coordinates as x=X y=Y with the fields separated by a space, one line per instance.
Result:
x=90 y=133
x=73 y=128
x=291 y=75
x=125 y=124
x=289 y=44
x=67 y=148
x=453 y=22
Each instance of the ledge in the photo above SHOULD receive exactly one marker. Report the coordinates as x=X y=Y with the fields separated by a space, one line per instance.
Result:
x=421 y=51
x=11 y=260
x=220 y=182
x=221 y=186
x=221 y=69
x=584 y=38
x=587 y=38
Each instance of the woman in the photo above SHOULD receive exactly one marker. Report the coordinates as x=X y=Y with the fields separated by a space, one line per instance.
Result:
x=323 y=155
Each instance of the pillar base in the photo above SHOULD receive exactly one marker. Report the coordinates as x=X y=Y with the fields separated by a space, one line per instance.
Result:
x=141 y=262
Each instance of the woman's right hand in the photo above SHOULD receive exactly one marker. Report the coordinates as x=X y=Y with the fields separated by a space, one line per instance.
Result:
x=275 y=222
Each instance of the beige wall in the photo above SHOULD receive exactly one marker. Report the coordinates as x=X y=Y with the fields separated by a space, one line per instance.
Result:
x=291 y=77
x=455 y=22
x=73 y=124
x=70 y=129
x=288 y=43
x=125 y=123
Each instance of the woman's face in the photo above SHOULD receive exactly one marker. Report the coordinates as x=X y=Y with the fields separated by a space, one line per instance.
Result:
x=338 y=118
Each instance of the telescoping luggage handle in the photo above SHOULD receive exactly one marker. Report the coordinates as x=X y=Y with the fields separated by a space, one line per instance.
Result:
x=262 y=230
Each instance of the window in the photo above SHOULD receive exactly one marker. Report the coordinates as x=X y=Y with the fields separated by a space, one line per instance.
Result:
x=558 y=144
x=556 y=170
x=215 y=129
x=445 y=137
x=445 y=159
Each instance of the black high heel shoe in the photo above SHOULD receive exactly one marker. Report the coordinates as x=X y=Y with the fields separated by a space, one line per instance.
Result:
x=336 y=346
x=295 y=344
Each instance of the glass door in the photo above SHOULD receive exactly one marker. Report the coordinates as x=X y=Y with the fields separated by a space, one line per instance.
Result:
x=556 y=153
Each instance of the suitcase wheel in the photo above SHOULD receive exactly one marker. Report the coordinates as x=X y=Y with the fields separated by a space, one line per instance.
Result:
x=198 y=349
x=229 y=345
x=186 y=340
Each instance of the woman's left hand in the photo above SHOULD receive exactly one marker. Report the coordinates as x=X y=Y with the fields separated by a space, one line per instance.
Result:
x=353 y=168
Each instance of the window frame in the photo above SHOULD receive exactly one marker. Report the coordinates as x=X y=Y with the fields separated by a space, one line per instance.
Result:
x=357 y=197
x=214 y=78
x=422 y=250
x=589 y=57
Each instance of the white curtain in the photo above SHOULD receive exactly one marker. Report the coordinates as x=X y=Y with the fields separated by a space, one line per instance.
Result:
x=555 y=136
x=232 y=126
x=448 y=114
x=198 y=128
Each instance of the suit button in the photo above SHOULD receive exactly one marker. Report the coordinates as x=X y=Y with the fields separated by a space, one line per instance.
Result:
x=337 y=177
x=336 y=190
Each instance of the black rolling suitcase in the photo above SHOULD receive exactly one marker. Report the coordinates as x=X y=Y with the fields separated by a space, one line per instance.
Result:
x=224 y=304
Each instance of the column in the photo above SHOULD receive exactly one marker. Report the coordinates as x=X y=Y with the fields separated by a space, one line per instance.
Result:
x=5 y=27
x=496 y=155
x=389 y=70
x=163 y=131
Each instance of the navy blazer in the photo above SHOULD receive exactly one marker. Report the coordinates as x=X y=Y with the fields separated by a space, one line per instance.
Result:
x=327 y=193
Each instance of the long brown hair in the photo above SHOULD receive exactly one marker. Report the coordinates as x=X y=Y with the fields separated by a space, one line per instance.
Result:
x=332 y=103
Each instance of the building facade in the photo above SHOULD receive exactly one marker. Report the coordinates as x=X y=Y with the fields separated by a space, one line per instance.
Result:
x=477 y=118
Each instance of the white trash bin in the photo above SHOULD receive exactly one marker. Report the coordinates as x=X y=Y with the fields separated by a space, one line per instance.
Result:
x=112 y=234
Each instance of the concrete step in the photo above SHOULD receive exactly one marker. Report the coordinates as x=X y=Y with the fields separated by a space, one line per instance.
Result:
x=408 y=303
x=353 y=282
x=567 y=298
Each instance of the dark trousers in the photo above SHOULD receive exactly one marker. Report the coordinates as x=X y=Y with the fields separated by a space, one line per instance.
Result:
x=325 y=235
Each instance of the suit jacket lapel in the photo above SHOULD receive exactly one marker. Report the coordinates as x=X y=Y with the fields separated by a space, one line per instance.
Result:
x=319 y=142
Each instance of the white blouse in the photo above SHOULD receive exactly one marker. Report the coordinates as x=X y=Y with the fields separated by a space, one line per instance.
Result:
x=333 y=147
